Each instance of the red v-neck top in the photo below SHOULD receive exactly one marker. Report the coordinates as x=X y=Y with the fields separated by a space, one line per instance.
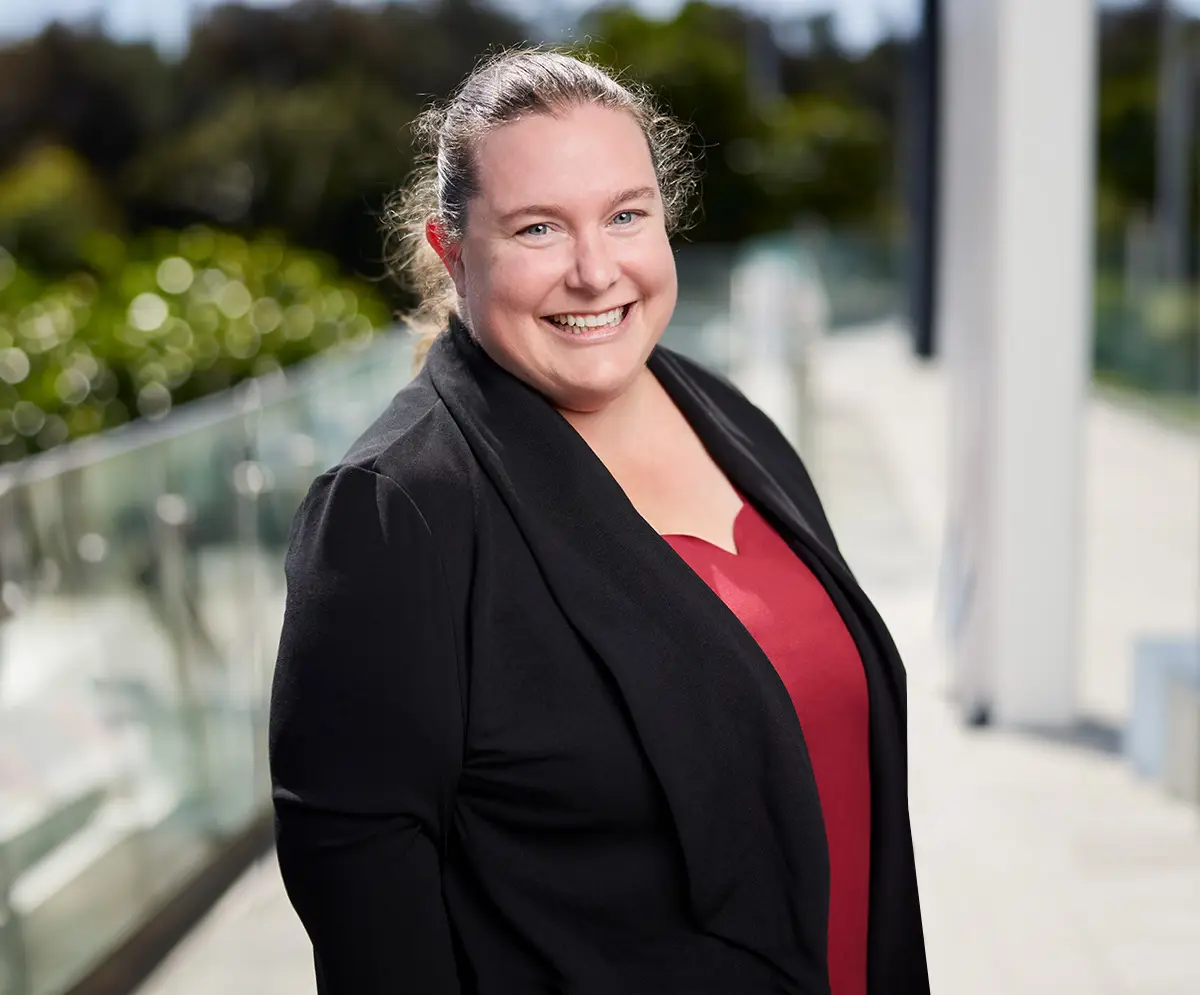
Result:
x=791 y=617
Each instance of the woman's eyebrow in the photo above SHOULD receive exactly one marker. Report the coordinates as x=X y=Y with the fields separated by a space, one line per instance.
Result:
x=633 y=193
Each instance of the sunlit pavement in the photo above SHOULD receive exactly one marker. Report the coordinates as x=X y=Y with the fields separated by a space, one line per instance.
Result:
x=1045 y=867
x=250 y=944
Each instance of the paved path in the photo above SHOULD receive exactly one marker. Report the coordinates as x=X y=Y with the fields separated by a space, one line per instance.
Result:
x=1045 y=867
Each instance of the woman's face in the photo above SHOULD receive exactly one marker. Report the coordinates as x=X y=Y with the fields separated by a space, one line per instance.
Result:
x=565 y=270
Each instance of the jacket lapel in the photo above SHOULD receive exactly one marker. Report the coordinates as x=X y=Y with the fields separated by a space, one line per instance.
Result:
x=712 y=715
x=804 y=530
x=896 y=948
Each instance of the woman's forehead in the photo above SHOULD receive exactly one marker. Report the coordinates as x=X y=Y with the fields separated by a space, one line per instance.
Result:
x=586 y=155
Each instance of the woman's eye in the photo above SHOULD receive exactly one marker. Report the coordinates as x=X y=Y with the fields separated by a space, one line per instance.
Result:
x=625 y=218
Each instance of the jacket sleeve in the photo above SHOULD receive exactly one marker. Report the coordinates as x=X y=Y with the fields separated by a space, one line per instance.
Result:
x=366 y=738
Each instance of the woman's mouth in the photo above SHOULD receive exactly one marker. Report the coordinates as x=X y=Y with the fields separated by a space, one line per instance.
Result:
x=590 y=326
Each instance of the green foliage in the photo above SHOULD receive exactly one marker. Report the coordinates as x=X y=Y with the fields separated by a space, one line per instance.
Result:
x=767 y=158
x=315 y=160
x=294 y=118
x=829 y=159
x=132 y=186
x=1126 y=135
x=874 y=80
x=291 y=118
x=1127 y=113
x=408 y=48
x=164 y=319
x=83 y=91
x=50 y=205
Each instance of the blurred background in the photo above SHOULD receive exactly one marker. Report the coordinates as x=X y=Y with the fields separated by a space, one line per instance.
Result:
x=952 y=248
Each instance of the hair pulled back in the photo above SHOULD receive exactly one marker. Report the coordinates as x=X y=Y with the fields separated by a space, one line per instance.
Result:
x=500 y=90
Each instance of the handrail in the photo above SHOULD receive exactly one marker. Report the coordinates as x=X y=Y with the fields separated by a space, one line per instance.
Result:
x=140 y=605
x=217 y=408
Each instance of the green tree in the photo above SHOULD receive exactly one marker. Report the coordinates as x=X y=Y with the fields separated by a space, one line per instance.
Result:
x=314 y=160
x=1127 y=122
x=52 y=206
x=165 y=318
x=767 y=159
x=80 y=90
x=828 y=158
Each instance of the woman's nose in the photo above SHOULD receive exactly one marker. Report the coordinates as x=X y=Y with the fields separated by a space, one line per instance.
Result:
x=595 y=267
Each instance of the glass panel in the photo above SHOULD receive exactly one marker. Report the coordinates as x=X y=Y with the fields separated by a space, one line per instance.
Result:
x=141 y=594
x=89 y=740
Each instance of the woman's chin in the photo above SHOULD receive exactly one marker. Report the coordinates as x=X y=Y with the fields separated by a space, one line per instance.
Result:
x=596 y=389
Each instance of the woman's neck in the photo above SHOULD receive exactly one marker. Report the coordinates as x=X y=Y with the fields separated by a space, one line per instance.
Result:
x=620 y=428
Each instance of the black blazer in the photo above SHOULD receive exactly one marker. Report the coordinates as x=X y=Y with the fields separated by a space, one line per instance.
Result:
x=519 y=747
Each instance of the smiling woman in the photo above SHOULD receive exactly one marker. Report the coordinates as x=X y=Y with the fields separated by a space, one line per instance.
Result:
x=575 y=692
x=567 y=228
x=547 y=179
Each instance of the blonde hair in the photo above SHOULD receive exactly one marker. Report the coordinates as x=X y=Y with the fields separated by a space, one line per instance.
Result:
x=500 y=90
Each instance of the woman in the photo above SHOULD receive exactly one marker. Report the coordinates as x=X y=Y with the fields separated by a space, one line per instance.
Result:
x=575 y=693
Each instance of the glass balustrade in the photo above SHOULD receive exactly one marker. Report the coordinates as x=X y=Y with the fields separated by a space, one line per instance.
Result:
x=141 y=594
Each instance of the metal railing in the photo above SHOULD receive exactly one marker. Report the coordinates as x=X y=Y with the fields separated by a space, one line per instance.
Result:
x=140 y=602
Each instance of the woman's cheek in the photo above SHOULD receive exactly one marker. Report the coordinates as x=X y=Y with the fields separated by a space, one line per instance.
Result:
x=530 y=277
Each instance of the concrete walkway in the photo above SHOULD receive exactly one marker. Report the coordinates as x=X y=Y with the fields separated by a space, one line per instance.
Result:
x=1045 y=867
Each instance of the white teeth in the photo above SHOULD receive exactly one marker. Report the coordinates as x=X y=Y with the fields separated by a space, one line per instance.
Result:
x=612 y=317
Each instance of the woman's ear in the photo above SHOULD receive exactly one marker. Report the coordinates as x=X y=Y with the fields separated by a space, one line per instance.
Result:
x=449 y=252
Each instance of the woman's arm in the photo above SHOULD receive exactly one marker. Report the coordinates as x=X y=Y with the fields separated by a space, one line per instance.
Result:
x=366 y=738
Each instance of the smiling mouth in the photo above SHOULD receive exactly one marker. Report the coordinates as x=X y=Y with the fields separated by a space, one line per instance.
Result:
x=580 y=323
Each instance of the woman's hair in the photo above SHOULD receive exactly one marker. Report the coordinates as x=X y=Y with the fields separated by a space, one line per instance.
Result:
x=501 y=89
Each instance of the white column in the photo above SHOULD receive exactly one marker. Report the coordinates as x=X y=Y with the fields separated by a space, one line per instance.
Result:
x=1014 y=312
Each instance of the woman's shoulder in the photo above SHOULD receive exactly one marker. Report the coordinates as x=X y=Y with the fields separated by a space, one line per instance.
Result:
x=415 y=448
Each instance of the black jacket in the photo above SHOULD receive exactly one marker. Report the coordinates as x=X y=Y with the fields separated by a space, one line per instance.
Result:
x=519 y=747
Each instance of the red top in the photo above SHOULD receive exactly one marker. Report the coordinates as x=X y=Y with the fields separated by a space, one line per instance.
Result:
x=789 y=614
